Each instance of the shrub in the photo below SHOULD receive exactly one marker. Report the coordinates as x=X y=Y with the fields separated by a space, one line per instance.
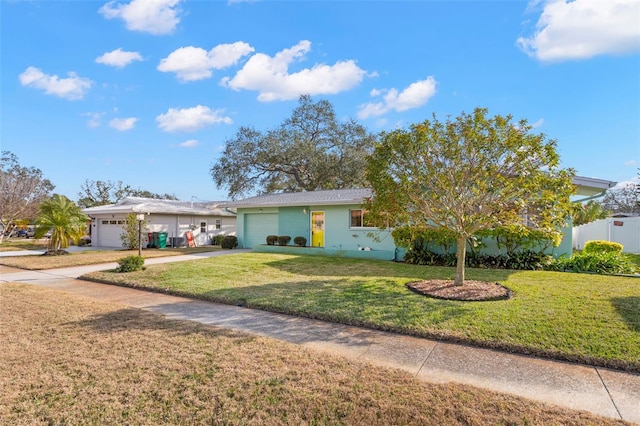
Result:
x=229 y=242
x=272 y=240
x=522 y=260
x=283 y=240
x=595 y=262
x=130 y=264
x=599 y=246
x=300 y=241
x=216 y=240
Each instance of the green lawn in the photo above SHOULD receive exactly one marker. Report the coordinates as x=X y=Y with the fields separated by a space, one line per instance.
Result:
x=582 y=317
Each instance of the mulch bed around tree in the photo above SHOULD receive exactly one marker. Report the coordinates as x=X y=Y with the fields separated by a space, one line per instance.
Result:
x=471 y=290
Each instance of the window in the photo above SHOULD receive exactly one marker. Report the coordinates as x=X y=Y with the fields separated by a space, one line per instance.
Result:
x=203 y=227
x=359 y=219
x=218 y=223
x=113 y=222
x=105 y=222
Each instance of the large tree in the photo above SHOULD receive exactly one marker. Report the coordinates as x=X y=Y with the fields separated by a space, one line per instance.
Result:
x=468 y=174
x=22 y=189
x=99 y=193
x=623 y=198
x=310 y=150
x=63 y=218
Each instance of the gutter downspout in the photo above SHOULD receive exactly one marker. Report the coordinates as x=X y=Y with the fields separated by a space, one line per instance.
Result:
x=593 y=197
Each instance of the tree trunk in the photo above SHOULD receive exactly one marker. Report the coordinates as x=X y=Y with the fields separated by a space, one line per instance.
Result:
x=462 y=251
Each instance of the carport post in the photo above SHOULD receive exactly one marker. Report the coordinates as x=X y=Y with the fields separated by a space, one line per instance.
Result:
x=140 y=218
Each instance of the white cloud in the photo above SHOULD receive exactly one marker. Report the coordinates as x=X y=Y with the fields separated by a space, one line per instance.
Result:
x=414 y=96
x=630 y=163
x=150 y=16
x=95 y=119
x=123 y=124
x=118 y=58
x=188 y=143
x=72 y=88
x=582 y=29
x=538 y=123
x=193 y=63
x=271 y=78
x=190 y=119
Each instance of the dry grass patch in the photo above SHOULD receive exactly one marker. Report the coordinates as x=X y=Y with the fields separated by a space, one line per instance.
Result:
x=92 y=257
x=77 y=361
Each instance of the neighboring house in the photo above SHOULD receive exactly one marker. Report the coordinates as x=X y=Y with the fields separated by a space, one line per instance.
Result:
x=334 y=223
x=175 y=218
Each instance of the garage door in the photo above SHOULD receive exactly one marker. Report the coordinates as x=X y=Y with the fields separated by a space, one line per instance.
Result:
x=257 y=227
x=108 y=234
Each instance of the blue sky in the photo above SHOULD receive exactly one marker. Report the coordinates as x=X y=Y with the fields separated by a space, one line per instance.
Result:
x=147 y=92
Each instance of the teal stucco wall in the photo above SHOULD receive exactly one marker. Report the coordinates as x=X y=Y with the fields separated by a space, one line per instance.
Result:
x=342 y=240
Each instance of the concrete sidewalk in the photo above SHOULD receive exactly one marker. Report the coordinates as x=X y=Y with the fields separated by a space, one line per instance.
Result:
x=602 y=391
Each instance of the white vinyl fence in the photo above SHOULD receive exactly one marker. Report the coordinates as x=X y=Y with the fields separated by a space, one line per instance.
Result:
x=623 y=230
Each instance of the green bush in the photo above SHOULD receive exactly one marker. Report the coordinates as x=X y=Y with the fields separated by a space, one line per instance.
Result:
x=283 y=240
x=599 y=246
x=130 y=264
x=522 y=260
x=598 y=262
x=216 y=240
x=300 y=241
x=229 y=242
x=272 y=240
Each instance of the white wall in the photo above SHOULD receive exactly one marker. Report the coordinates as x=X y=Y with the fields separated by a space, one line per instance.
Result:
x=623 y=230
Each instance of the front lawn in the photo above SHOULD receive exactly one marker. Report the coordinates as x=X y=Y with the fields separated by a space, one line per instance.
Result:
x=93 y=257
x=588 y=318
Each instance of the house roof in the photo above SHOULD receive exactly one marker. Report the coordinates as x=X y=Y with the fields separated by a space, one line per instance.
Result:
x=591 y=186
x=585 y=186
x=311 y=198
x=151 y=205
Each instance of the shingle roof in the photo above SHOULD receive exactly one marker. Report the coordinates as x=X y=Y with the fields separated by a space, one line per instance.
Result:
x=357 y=196
x=311 y=198
x=150 y=205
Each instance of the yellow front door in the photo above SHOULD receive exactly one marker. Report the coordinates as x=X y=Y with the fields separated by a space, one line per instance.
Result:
x=317 y=229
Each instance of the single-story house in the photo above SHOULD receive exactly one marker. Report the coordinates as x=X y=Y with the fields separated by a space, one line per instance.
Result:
x=334 y=223
x=175 y=218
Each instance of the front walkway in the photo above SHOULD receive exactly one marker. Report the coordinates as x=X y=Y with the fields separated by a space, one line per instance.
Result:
x=602 y=391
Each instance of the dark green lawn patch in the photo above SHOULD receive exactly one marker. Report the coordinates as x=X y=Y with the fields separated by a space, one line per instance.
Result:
x=575 y=317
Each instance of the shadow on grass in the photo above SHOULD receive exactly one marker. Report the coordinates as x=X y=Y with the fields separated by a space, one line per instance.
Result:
x=238 y=325
x=137 y=319
x=629 y=309
x=340 y=266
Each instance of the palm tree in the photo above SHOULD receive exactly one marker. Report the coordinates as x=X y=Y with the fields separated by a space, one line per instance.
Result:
x=585 y=213
x=65 y=220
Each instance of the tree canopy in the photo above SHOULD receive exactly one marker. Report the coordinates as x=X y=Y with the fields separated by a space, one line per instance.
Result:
x=310 y=150
x=623 y=198
x=99 y=193
x=22 y=189
x=468 y=174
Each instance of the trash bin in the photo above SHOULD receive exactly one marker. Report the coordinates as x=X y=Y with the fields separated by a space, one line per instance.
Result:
x=176 y=241
x=162 y=240
x=150 y=243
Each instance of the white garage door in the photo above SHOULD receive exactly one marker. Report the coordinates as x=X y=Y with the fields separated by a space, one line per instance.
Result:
x=108 y=234
x=257 y=227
